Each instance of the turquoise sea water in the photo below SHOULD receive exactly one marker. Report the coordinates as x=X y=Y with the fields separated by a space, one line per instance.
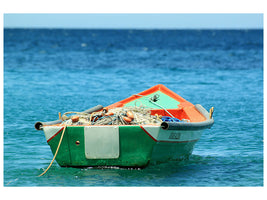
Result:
x=47 y=71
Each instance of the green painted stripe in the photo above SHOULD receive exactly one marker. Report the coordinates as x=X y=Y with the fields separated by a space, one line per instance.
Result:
x=164 y=101
x=163 y=152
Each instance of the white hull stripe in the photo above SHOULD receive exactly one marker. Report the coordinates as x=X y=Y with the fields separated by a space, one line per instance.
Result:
x=166 y=136
x=51 y=132
x=153 y=132
x=150 y=134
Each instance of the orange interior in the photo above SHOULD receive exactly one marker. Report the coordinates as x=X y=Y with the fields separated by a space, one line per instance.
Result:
x=186 y=113
x=186 y=109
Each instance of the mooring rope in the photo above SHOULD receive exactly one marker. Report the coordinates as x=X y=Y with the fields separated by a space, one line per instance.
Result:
x=65 y=117
x=55 y=152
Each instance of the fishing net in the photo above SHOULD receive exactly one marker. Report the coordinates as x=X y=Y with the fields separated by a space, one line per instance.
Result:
x=132 y=115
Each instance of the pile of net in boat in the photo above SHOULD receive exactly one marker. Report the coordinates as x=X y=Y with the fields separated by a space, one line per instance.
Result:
x=118 y=116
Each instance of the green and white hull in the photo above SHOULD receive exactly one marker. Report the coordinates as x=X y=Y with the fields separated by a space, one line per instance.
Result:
x=132 y=142
x=125 y=146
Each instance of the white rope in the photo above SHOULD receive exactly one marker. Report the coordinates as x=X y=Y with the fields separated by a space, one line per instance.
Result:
x=155 y=104
x=162 y=108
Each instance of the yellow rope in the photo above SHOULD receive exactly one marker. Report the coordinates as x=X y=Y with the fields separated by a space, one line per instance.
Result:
x=56 y=151
x=211 y=112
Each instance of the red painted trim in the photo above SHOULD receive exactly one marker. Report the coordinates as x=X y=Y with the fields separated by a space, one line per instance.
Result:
x=166 y=141
x=55 y=135
x=149 y=91
x=148 y=133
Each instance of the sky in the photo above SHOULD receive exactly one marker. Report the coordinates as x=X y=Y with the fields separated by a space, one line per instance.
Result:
x=135 y=21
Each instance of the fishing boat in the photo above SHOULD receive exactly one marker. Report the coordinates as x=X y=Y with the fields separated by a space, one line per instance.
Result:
x=153 y=126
